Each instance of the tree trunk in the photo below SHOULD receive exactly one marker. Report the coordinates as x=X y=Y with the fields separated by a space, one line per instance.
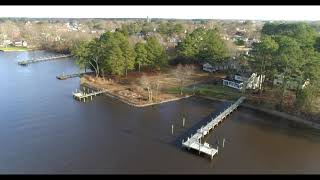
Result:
x=95 y=69
x=149 y=95
x=181 y=87
x=298 y=89
x=283 y=90
x=157 y=91
x=139 y=66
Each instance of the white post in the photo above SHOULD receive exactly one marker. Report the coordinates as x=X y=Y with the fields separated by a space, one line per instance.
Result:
x=223 y=142
x=217 y=149
x=172 y=129
x=212 y=154
x=183 y=121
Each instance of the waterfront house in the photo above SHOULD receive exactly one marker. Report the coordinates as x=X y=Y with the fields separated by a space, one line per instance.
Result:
x=291 y=84
x=222 y=66
x=208 y=67
x=6 y=42
x=238 y=82
x=20 y=43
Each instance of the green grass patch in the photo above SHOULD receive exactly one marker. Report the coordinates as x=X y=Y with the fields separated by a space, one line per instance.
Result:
x=176 y=90
x=215 y=91
x=12 y=48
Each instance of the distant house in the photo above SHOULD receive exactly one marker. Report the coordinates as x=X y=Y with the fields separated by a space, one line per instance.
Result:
x=239 y=82
x=225 y=65
x=6 y=42
x=293 y=84
x=241 y=29
x=224 y=36
x=20 y=43
x=208 y=67
x=251 y=41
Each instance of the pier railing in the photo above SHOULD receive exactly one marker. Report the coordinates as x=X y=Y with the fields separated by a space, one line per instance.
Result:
x=40 y=59
x=194 y=142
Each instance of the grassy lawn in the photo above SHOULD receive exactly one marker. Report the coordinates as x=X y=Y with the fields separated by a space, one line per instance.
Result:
x=215 y=91
x=12 y=48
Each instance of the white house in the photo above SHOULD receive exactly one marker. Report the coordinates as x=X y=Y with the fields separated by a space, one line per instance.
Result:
x=20 y=43
x=208 y=67
x=6 y=42
x=227 y=64
x=278 y=80
x=239 y=82
x=233 y=84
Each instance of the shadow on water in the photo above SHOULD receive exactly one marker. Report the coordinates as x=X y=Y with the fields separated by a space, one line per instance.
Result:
x=177 y=142
x=278 y=125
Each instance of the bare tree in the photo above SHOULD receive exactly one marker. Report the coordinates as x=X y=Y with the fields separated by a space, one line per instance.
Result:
x=146 y=84
x=183 y=73
x=157 y=86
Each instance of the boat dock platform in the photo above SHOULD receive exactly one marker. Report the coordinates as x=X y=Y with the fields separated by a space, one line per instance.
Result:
x=194 y=142
x=67 y=76
x=41 y=59
x=82 y=95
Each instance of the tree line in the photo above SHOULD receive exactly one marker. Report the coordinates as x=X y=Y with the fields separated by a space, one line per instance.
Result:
x=291 y=52
x=112 y=54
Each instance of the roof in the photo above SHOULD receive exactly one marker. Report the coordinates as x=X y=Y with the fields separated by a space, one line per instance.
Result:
x=207 y=65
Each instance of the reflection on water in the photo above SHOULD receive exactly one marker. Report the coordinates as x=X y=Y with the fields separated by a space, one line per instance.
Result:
x=44 y=130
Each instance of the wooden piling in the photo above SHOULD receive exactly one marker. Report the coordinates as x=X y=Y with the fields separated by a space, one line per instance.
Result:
x=172 y=129
x=223 y=142
x=183 y=121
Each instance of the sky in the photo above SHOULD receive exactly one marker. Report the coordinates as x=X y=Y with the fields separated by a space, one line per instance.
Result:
x=175 y=12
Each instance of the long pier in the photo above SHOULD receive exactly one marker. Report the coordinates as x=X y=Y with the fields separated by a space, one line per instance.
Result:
x=66 y=76
x=194 y=142
x=41 y=59
x=82 y=95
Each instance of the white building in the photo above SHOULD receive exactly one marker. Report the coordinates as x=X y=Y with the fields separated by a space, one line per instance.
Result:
x=6 y=42
x=239 y=82
x=208 y=67
x=278 y=80
x=20 y=43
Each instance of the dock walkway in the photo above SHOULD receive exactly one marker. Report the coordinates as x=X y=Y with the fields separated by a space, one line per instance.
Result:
x=194 y=142
x=67 y=76
x=41 y=59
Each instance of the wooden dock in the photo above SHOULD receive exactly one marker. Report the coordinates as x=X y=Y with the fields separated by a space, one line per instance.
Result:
x=194 y=142
x=42 y=59
x=83 y=95
x=67 y=76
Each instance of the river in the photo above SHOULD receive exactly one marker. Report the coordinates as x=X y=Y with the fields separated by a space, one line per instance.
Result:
x=44 y=130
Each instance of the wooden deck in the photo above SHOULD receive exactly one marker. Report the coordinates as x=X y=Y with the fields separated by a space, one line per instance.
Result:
x=82 y=95
x=194 y=142
x=67 y=76
x=41 y=59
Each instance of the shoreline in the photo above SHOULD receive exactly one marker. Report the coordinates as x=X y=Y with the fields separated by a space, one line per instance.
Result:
x=272 y=112
x=112 y=95
x=23 y=50
x=282 y=115
x=17 y=50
